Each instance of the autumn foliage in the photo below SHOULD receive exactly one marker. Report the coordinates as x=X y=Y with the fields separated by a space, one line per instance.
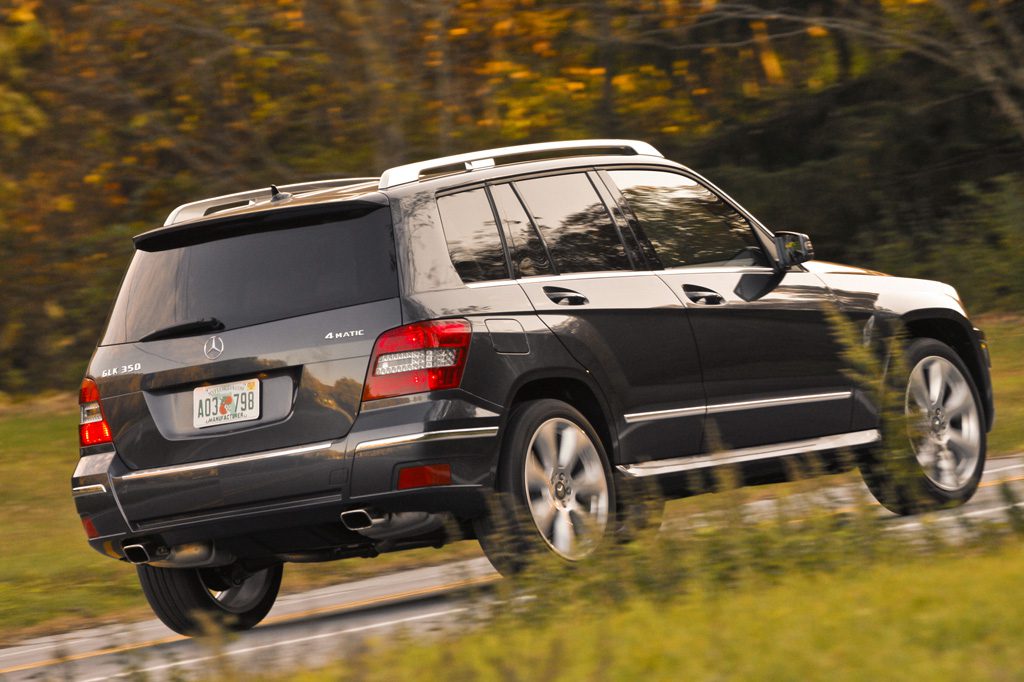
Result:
x=819 y=116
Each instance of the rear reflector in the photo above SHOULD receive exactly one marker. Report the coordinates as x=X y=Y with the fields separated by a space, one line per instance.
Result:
x=90 y=528
x=424 y=476
x=92 y=426
x=424 y=356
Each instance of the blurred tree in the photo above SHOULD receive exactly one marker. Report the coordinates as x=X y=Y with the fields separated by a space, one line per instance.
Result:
x=112 y=113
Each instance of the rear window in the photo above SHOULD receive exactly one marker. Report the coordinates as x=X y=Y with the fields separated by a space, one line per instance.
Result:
x=258 y=277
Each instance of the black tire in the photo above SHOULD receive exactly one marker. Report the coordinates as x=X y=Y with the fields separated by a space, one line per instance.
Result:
x=185 y=600
x=914 y=482
x=511 y=534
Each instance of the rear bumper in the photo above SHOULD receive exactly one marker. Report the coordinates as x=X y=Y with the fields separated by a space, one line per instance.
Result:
x=301 y=486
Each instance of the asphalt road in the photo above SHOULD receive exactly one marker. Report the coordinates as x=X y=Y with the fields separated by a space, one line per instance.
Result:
x=314 y=627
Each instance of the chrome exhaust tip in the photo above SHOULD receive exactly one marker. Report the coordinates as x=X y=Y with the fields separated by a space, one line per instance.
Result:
x=137 y=554
x=357 y=519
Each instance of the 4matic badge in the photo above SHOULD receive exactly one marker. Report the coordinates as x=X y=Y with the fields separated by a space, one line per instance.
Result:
x=345 y=334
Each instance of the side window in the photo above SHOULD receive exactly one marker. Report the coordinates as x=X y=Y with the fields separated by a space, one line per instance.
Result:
x=574 y=223
x=472 y=235
x=528 y=253
x=686 y=223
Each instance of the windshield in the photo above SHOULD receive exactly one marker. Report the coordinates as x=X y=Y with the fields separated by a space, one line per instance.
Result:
x=258 y=277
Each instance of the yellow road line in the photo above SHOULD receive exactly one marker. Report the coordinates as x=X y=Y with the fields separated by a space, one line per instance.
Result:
x=337 y=608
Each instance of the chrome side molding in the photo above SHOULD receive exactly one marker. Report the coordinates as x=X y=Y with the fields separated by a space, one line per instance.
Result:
x=637 y=417
x=778 y=402
x=719 y=408
x=680 y=464
x=450 y=434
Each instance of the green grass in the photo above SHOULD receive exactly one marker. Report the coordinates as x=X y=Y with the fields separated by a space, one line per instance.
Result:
x=946 y=617
x=48 y=573
x=1006 y=344
x=50 y=579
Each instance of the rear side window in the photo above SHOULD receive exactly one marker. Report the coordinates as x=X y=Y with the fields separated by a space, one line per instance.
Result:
x=574 y=223
x=258 y=277
x=528 y=253
x=471 y=231
x=686 y=223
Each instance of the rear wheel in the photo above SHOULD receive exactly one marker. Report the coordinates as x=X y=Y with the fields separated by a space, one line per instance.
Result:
x=188 y=600
x=946 y=431
x=556 y=493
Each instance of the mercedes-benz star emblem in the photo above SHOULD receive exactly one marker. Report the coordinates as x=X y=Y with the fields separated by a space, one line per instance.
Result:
x=213 y=347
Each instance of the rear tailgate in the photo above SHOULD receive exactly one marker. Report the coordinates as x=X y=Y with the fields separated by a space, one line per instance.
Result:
x=300 y=306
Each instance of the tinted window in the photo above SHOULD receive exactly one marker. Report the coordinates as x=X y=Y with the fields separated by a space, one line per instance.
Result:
x=685 y=222
x=258 y=277
x=472 y=235
x=528 y=253
x=574 y=223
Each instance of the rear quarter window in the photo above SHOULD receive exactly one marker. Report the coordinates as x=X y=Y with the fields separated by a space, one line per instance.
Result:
x=471 y=230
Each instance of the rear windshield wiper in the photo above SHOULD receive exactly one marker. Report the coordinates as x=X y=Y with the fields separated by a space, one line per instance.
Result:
x=206 y=324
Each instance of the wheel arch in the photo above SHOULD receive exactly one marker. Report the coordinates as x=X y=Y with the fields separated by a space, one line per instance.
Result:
x=955 y=331
x=577 y=390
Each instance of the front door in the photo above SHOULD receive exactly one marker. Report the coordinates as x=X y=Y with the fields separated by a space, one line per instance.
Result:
x=772 y=372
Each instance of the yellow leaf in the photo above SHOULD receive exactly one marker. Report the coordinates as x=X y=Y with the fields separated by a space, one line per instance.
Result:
x=23 y=13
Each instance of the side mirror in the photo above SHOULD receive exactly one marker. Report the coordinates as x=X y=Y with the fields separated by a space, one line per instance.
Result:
x=793 y=248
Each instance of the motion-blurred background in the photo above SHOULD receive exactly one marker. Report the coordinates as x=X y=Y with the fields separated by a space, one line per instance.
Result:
x=891 y=131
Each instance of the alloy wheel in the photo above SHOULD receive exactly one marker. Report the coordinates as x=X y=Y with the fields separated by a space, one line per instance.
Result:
x=945 y=422
x=566 y=488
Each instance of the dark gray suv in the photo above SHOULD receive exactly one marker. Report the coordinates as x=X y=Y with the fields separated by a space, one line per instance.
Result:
x=349 y=367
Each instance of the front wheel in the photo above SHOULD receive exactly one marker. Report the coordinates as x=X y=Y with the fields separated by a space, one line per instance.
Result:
x=189 y=600
x=555 y=485
x=946 y=431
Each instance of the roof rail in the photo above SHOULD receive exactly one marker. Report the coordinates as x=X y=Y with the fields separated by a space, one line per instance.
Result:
x=204 y=207
x=461 y=163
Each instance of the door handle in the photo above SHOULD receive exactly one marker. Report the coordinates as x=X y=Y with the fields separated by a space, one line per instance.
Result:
x=702 y=296
x=565 y=296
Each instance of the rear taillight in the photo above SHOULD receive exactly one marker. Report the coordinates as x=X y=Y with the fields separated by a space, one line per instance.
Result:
x=92 y=427
x=425 y=356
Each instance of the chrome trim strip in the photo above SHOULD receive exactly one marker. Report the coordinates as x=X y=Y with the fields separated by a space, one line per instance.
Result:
x=720 y=408
x=778 y=402
x=492 y=283
x=83 y=490
x=680 y=464
x=694 y=269
x=225 y=461
x=636 y=417
x=451 y=434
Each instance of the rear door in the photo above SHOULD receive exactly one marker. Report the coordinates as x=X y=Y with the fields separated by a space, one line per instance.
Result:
x=621 y=323
x=772 y=372
x=249 y=337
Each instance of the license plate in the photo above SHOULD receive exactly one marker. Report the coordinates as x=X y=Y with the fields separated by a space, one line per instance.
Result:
x=226 y=403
